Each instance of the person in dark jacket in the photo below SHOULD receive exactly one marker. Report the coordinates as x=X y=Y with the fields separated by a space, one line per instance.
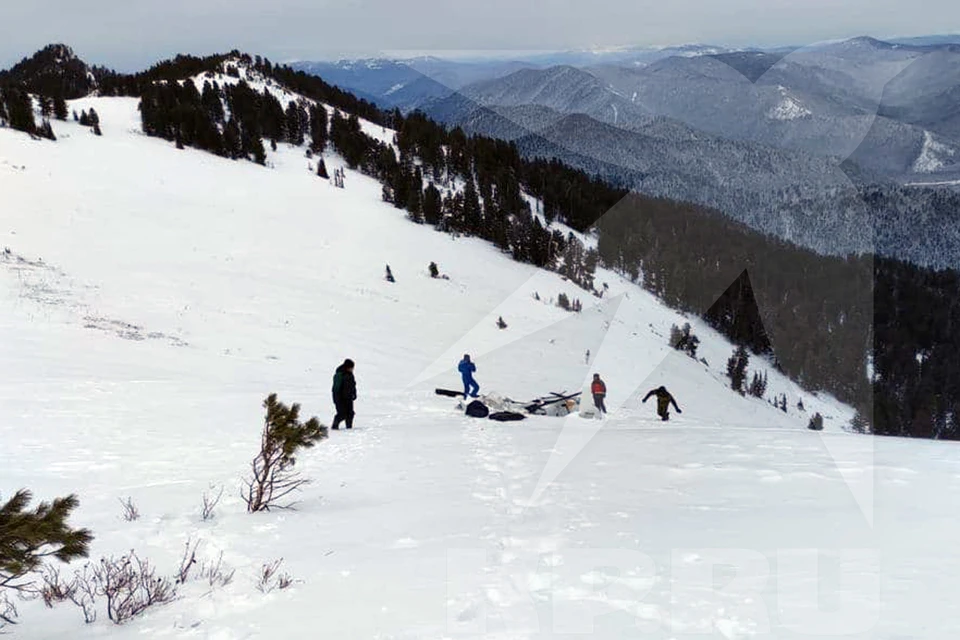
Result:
x=663 y=402
x=467 y=369
x=344 y=393
x=599 y=391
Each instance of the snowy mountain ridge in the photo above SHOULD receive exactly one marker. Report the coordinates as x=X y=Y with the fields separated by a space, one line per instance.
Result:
x=156 y=295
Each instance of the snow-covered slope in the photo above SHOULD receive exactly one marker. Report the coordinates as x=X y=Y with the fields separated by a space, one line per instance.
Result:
x=153 y=297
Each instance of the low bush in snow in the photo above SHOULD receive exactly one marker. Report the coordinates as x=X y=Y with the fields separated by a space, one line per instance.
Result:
x=271 y=578
x=273 y=477
x=210 y=502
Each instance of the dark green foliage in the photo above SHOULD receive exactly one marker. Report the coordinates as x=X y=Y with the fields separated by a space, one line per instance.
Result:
x=46 y=106
x=46 y=131
x=736 y=315
x=564 y=302
x=28 y=537
x=758 y=385
x=60 y=110
x=432 y=205
x=860 y=423
x=273 y=476
x=52 y=71
x=16 y=108
x=737 y=369
x=318 y=129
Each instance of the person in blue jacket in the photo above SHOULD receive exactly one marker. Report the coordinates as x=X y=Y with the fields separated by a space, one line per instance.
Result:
x=470 y=386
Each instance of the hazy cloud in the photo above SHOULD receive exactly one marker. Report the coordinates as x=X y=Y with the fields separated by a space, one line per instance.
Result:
x=130 y=34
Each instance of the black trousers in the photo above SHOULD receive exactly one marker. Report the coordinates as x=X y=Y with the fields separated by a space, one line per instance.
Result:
x=663 y=410
x=598 y=402
x=344 y=414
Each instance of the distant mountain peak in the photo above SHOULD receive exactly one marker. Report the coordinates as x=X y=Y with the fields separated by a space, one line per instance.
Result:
x=53 y=70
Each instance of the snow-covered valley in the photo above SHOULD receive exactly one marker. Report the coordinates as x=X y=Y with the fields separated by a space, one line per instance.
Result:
x=153 y=297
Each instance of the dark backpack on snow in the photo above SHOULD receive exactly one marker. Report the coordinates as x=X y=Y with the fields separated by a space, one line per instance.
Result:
x=477 y=409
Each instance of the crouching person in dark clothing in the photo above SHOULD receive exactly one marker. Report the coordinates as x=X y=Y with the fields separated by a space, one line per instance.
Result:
x=344 y=393
x=664 y=399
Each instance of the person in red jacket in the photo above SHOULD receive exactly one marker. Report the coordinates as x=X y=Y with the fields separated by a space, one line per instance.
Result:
x=599 y=391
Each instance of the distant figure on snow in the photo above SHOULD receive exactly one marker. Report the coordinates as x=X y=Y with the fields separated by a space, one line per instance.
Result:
x=390 y=275
x=599 y=391
x=586 y=357
x=500 y=323
x=467 y=369
x=344 y=393
x=663 y=402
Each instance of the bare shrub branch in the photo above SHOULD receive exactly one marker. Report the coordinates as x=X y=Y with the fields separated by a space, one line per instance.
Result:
x=8 y=612
x=210 y=502
x=271 y=578
x=84 y=593
x=130 y=586
x=130 y=511
x=188 y=560
x=54 y=589
x=215 y=574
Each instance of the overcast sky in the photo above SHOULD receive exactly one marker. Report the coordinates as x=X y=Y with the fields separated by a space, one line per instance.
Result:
x=131 y=34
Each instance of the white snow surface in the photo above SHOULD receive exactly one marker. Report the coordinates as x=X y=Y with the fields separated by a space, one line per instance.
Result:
x=152 y=298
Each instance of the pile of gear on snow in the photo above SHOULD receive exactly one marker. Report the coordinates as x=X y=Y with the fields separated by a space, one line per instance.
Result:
x=501 y=409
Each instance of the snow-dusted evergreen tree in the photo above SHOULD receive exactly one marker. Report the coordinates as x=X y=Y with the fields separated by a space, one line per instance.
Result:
x=758 y=385
x=737 y=369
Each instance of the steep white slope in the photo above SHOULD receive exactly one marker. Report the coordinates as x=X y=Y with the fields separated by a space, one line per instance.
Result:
x=153 y=297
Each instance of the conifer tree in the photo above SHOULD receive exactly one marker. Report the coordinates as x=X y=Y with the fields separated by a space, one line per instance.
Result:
x=472 y=214
x=47 y=131
x=60 y=110
x=758 y=385
x=30 y=536
x=318 y=129
x=431 y=205
x=274 y=479
x=46 y=106
x=737 y=369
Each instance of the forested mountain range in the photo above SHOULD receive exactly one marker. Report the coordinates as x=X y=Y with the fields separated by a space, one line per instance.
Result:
x=827 y=146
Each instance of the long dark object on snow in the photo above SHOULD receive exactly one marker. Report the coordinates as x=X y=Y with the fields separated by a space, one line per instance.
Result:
x=539 y=403
x=449 y=393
